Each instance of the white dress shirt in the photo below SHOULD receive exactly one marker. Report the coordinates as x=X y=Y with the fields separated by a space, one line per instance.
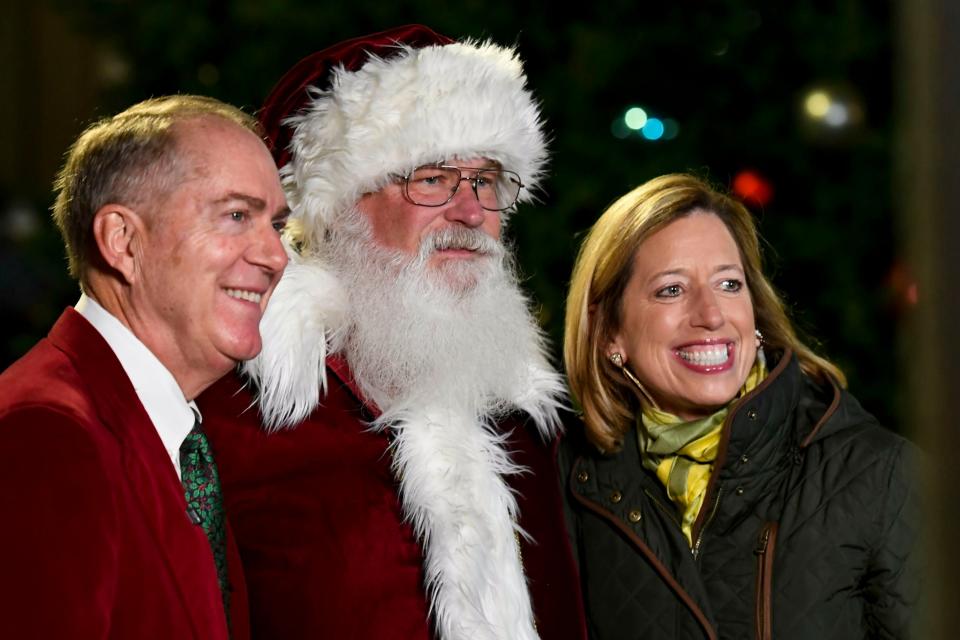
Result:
x=158 y=391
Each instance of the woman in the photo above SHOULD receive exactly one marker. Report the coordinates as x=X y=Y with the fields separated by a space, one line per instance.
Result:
x=725 y=485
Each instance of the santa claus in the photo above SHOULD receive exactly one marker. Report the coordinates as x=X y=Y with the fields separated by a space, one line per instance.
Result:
x=387 y=461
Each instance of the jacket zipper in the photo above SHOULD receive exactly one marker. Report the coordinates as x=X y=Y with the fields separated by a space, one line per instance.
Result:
x=670 y=513
x=713 y=512
x=766 y=542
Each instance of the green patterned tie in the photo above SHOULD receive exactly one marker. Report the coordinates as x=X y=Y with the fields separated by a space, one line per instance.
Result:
x=201 y=483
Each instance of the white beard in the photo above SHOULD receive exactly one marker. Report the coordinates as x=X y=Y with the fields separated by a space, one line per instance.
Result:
x=461 y=331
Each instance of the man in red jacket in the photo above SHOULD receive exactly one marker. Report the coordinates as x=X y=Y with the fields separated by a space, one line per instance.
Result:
x=113 y=525
x=389 y=472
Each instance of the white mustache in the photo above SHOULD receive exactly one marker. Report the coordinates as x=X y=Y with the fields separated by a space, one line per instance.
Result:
x=459 y=238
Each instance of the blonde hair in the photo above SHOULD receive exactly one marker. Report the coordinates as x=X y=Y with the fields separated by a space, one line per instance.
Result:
x=601 y=273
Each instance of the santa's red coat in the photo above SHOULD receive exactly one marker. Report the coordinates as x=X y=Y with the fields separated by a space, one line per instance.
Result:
x=321 y=532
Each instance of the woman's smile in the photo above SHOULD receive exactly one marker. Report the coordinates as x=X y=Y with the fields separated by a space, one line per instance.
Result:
x=707 y=356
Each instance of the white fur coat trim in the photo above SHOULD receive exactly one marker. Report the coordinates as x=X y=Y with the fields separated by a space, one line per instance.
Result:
x=418 y=106
x=303 y=322
x=453 y=466
x=453 y=489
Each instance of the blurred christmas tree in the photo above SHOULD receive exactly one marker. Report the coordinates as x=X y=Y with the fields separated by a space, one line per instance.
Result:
x=790 y=102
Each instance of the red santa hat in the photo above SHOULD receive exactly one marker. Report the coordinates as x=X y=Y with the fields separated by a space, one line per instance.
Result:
x=344 y=120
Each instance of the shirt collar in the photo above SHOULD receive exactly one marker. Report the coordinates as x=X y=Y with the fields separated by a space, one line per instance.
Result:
x=158 y=391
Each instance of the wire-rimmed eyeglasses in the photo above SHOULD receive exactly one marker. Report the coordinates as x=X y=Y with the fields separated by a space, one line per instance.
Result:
x=435 y=185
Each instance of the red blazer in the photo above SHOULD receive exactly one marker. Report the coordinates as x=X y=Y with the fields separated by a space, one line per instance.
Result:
x=95 y=540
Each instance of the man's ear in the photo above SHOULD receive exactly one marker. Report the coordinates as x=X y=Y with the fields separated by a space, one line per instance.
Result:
x=118 y=232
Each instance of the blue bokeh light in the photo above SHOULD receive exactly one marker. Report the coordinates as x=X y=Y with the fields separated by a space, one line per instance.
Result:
x=653 y=129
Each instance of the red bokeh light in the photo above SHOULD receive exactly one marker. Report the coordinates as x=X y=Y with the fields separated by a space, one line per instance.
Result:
x=752 y=188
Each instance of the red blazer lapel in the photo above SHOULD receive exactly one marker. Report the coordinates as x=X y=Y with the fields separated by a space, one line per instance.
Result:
x=151 y=478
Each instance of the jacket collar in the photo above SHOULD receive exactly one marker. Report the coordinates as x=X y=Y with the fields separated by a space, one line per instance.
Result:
x=757 y=422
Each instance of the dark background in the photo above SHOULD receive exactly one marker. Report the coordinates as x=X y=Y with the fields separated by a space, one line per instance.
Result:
x=732 y=74
x=848 y=204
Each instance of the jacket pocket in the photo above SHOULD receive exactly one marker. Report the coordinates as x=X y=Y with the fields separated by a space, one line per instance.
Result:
x=766 y=545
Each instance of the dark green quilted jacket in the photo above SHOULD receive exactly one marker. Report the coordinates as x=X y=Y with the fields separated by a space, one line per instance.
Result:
x=807 y=530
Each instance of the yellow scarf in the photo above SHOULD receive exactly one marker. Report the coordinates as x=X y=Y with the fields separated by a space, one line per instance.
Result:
x=682 y=453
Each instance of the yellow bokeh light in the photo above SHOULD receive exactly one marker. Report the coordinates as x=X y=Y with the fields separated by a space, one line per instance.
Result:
x=817 y=103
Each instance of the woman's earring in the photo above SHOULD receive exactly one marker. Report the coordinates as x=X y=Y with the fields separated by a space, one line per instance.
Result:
x=617 y=360
x=761 y=356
